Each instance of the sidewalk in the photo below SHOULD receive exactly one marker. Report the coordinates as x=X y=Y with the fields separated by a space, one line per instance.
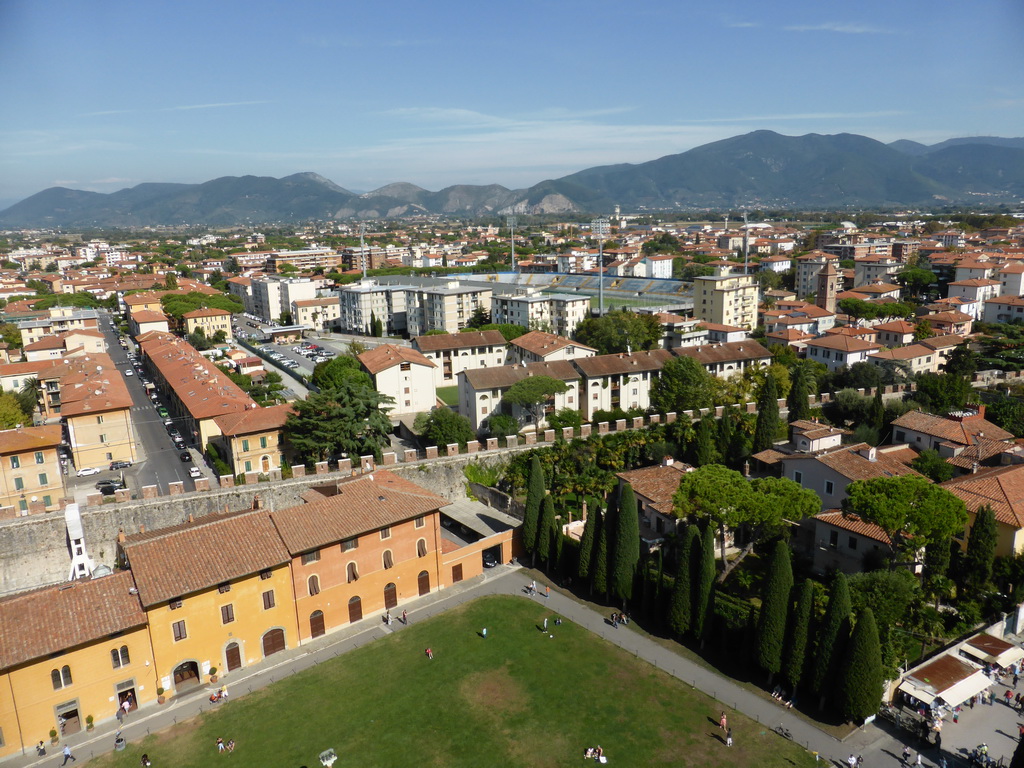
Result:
x=875 y=744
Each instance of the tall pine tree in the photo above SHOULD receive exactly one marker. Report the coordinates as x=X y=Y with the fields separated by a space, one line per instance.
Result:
x=726 y=427
x=832 y=636
x=799 y=392
x=599 y=570
x=546 y=529
x=703 y=581
x=861 y=678
x=771 y=624
x=627 y=546
x=797 y=634
x=767 y=425
x=704 y=447
x=534 y=499
x=681 y=606
x=876 y=416
x=587 y=543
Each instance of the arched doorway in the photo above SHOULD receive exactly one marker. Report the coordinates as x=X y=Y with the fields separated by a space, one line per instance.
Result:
x=316 y=624
x=233 y=657
x=424 y=583
x=185 y=676
x=390 y=596
x=265 y=465
x=355 y=609
x=273 y=642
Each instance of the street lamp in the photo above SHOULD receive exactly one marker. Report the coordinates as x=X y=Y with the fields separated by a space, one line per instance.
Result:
x=600 y=229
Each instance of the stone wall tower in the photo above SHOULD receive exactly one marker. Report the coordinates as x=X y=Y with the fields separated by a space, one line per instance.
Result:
x=828 y=287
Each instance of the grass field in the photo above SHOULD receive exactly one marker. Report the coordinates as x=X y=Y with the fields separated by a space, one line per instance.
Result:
x=517 y=698
x=449 y=395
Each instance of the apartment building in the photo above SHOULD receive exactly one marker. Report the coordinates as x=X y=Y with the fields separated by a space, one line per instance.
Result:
x=145 y=320
x=304 y=261
x=272 y=296
x=404 y=375
x=481 y=391
x=622 y=381
x=447 y=307
x=361 y=303
x=807 y=268
x=839 y=351
x=69 y=343
x=60 y=320
x=96 y=408
x=728 y=300
x=208 y=320
x=318 y=314
x=251 y=440
x=727 y=358
x=1011 y=280
x=456 y=352
x=558 y=313
x=30 y=472
x=541 y=347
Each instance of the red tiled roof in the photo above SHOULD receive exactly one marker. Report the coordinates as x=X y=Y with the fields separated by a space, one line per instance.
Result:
x=541 y=343
x=441 y=341
x=253 y=420
x=853 y=524
x=29 y=439
x=952 y=430
x=389 y=355
x=1001 y=488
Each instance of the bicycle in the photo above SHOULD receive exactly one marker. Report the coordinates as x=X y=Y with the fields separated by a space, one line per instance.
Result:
x=783 y=731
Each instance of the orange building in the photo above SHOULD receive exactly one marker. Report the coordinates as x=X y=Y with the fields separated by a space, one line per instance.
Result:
x=366 y=545
x=68 y=652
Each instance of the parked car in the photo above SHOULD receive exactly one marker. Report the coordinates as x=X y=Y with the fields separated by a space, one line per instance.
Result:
x=86 y=471
x=115 y=484
x=162 y=412
x=194 y=472
x=185 y=457
x=490 y=560
x=129 y=372
x=120 y=464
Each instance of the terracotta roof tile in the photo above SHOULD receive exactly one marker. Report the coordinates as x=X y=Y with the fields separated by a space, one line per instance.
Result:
x=389 y=355
x=1001 y=488
x=853 y=524
x=507 y=375
x=253 y=420
x=441 y=341
x=853 y=465
x=952 y=430
x=542 y=344
x=610 y=365
x=29 y=439
x=726 y=352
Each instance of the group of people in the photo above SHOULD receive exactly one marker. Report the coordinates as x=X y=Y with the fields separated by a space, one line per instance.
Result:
x=223 y=747
x=595 y=753
x=779 y=694
x=219 y=695
x=619 y=618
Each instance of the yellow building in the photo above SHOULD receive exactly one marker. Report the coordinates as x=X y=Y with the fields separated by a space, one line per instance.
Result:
x=30 y=475
x=319 y=314
x=217 y=593
x=96 y=407
x=728 y=300
x=69 y=652
x=210 y=321
x=251 y=441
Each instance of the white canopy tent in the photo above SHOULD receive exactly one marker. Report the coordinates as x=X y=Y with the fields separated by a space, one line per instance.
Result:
x=992 y=649
x=948 y=678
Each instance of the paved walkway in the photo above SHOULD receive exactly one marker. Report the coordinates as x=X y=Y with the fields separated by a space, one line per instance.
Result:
x=879 y=744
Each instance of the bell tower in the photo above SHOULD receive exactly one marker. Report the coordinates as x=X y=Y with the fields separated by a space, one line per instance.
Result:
x=828 y=287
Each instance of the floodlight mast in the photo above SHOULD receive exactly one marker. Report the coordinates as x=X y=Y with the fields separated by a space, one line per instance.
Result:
x=599 y=227
x=511 y=221
x=362 y=245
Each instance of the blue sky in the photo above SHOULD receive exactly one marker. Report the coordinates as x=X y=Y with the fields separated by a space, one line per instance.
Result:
x=108 y=94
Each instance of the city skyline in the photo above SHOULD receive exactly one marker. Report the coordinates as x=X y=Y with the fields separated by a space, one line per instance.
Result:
x=113 y=96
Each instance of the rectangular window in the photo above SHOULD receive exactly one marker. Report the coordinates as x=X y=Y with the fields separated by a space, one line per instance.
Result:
x=43 y=480
x=179 y=630
x=264 y=575
x=99 y=419
x=853 y=542
x=245 y=445
x=349 y=544
x=268 y=599
x=263 y=442
x=798 y=477
x=19 y=484
x=833 y=539
x=48 y=500
x=420 y=521
x=225 y=587
x=174 y=605
x=829 y=488
x=227 y=613
x=15 y=462
x=39 y=457
x=103 y=438
x=311 y=557
x=248 y=466
x=385 y=533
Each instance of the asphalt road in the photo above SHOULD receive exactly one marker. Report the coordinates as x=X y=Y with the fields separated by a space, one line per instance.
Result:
x=158 y=463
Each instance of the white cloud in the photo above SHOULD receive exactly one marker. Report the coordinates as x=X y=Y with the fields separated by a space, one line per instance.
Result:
x=845 y=28
x=217 y=105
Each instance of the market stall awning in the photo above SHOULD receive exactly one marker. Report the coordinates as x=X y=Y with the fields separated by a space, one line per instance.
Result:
x=963 y=690
x=946 y=677
x=993 y=649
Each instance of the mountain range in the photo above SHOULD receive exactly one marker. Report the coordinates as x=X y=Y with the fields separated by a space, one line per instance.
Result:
x=762 y=169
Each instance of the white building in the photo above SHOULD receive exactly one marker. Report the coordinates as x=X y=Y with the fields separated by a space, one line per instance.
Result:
x=318 y=314
x=481 y=391
x=360 y=303
x=453 y=353
x=1011 y=280
x=558 y=313
x=404 y=375
x=447 y=307
x=272 y=297
x=838 y=351
x=541 y=347
x=618 y=381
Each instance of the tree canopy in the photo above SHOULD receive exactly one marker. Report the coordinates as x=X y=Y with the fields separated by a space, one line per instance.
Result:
x=177 y=304
x=533 y=393
x=620 y=331
x=338 y=370
x=912 y=511
x=349 y=419
x=683 y=385
x=444 y=426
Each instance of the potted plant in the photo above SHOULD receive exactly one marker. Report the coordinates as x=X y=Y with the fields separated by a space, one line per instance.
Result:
x=89 y=722
x=160 y=695
x=53 y=735
x=213 y=674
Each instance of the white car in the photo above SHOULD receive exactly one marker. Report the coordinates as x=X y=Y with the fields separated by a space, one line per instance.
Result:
x=194 y=472
x=86 y=471
x=129 y=372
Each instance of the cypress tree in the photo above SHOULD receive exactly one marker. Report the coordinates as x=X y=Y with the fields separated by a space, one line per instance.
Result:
x=771 y=625
x=680 y=610
x=534 y=499
x=587 y=543
x=799 y=392
x=981 y=550
x=748 y=649
x=726 y=437
x=627 y=546
x=704 y=449
x=797 y=636
x=767 y=414
x=546 y=530
x=599 y=570
x=860 y=682
x=876 y=416
x=832 y=636
x=703 y=581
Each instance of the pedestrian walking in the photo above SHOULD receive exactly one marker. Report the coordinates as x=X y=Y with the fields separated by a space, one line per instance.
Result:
x=533 y=587
x=1020 y=732
x=728 y=737
x=852 y=760
x=860 y=761
x=119 y=715
x=68 y=755
x=1016 y=679
x=40 y=749
x=547 y=591
x=405 y=618
x=723 y=722
x=905 y=759
x=917 y=762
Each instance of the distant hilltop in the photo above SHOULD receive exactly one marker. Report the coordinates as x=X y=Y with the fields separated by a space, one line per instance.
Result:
x=762 y=169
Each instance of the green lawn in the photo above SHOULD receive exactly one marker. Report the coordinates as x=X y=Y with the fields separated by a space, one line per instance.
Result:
x=450 y=395
x=519 y=698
